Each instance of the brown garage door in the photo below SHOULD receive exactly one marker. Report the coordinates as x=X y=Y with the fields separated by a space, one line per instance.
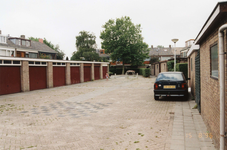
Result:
x=104 y=71
x=37 y=78
x=10 y=80
x=87 y=73
x=97 y=72
x=75 y=75
x=59 y=76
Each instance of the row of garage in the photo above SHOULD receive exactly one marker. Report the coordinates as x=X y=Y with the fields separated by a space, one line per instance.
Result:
x=10 y=76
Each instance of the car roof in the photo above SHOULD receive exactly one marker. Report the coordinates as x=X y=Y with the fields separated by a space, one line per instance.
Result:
x=169 y=72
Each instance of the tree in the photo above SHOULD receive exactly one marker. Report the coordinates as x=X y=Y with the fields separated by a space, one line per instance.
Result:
x=124 y=41
x=160 y=46
x=60 y=54
x=154 y=59
x=85 y=44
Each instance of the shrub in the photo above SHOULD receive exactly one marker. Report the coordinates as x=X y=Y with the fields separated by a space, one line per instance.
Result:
x=114 y=70
x=183 y=67
x=170 y=65
x=145 y=72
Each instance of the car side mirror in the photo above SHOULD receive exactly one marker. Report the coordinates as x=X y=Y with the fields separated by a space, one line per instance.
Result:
x=188 y=78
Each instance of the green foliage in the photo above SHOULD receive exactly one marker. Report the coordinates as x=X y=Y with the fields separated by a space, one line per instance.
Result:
x=114 y=70
x=160 y=46
x=154 y=60
x=182 y=67
x=170 y=65
x=34 y=39
x=124 y=41
x=60 y=54
x=85 y=44
x=44 y=56
x=146 y=72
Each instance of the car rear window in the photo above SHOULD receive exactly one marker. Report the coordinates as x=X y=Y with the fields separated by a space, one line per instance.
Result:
x=170 y=76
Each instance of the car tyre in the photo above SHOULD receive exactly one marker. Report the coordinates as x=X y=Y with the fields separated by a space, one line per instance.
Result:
x=156 y=97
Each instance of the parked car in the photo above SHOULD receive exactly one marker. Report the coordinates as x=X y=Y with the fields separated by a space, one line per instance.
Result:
x=171 y=84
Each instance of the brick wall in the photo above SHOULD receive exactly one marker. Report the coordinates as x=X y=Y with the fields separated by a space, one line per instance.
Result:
x=152 y=70
x=156 y=69
x=210 y=102
x=164 y=66
x=191 y=71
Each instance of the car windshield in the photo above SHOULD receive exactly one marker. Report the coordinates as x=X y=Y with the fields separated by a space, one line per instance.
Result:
x=170 y=76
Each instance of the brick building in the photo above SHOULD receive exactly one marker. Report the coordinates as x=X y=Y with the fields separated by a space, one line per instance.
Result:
x=192 y=55
x=22 y=47
x=208 y=92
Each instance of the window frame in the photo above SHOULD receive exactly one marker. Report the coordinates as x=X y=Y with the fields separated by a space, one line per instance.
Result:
x=212 y=76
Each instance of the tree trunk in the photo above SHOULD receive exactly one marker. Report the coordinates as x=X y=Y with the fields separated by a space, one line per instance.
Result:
x=123 y=68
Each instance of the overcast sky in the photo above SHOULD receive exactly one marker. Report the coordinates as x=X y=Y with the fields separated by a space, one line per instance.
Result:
x=59 y=21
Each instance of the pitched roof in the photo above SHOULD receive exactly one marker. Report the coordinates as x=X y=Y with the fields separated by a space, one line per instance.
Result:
x=41 y=47
x=160 y=51
x=178 y=49
x=35 y=46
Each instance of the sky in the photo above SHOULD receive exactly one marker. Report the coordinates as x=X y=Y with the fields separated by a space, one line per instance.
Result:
x=60 y=21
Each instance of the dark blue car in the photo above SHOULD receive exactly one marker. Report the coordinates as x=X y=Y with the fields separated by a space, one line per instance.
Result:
x=171 y=84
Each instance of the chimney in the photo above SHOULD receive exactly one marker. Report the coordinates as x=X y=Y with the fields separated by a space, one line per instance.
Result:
x=41 y=40
x=186 y=44
x=22 y=36
x=152 y=46
x=169 y=46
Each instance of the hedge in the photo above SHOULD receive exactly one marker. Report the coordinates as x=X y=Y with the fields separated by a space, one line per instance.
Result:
x=170 y=65
x=119 y=70
x=145 y=72
x=183 y=67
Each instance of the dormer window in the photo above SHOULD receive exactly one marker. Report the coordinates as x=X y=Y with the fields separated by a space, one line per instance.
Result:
x=21 y=42
x=2 y=39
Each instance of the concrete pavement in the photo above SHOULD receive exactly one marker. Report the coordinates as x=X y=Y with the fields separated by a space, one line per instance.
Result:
x=119 y=114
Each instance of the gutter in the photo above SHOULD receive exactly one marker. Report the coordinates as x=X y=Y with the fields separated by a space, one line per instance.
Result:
x=222 y=85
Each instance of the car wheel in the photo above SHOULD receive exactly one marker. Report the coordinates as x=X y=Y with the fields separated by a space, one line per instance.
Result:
x=156 y=97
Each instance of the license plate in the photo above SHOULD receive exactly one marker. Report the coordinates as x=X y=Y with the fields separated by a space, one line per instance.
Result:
x=169 y=87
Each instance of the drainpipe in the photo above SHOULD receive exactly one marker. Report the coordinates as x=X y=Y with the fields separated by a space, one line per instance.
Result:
x=222 y=85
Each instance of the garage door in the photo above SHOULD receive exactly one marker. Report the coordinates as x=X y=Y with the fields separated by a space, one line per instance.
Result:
x=75 y=75
x=10 y=81
x=59 y=76
x=37 y=78
x=104 y=71
x=97 y=72
x=87 y=73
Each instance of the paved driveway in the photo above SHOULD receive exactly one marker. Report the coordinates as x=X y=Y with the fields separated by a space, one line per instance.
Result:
x=118 y=114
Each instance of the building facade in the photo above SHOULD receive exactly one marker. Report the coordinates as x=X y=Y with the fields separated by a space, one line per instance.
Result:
x=22 y=47
x=210 y=41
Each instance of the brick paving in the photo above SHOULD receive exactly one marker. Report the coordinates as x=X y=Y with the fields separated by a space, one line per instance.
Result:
x=119 y=114
x=116 y=114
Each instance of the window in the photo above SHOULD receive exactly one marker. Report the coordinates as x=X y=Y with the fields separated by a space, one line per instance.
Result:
x=191 y=64
x=33 y=55
x=23 y=43
x=27 y=43
x=170 y=76
x=214 y=60
x=2 y=39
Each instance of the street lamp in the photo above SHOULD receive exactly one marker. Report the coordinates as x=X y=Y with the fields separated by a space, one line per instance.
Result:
x=174 y=41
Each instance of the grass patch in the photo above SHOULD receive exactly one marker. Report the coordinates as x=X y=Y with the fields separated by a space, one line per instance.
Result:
x=195 y=107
